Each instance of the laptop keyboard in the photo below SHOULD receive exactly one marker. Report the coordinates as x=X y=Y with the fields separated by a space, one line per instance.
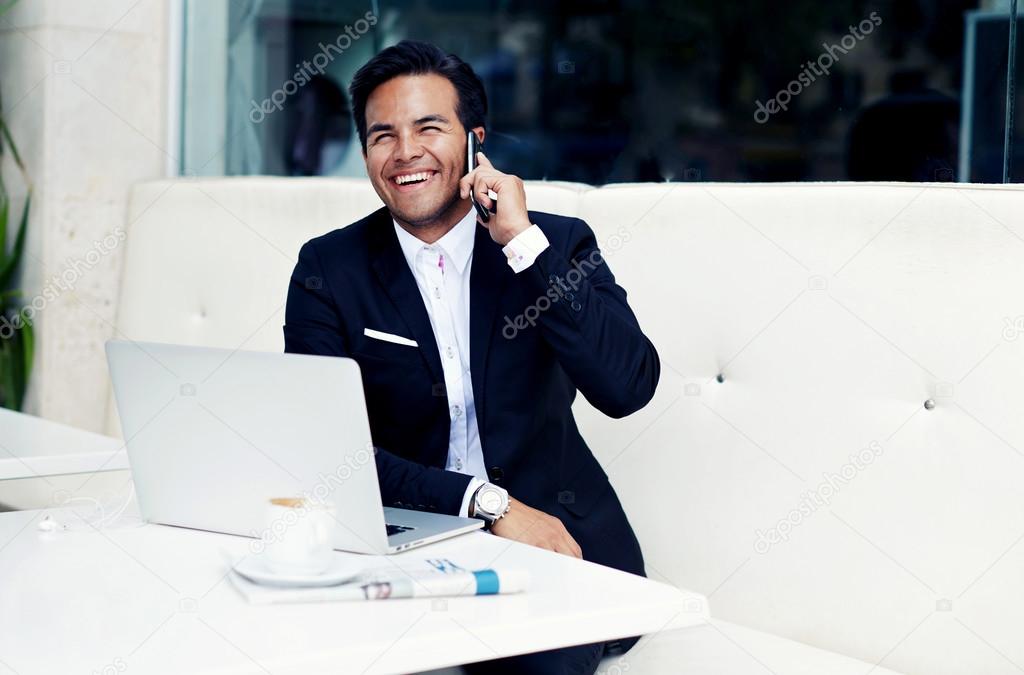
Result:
x=396 y=529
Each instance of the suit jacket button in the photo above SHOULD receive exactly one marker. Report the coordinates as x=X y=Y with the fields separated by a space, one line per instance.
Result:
x=576 y=306
x=496 y=474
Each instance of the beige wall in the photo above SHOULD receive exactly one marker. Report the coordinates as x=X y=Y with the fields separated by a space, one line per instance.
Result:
x=85 y=91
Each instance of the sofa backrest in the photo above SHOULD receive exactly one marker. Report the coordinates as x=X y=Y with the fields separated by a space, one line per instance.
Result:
x=835 y=451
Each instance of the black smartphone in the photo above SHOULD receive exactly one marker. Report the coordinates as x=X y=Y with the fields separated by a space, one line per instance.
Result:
x=472 y=147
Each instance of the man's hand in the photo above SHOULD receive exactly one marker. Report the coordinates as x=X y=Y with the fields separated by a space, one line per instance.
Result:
x=511 y=218
x=530 y=526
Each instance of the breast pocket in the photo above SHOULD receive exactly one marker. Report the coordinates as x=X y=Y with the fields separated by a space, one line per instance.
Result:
x=378 y=347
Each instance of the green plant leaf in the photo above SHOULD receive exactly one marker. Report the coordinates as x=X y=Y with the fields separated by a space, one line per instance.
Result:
x=8 y=266
x=4 y=7
x=6 y=132
x=16 y=353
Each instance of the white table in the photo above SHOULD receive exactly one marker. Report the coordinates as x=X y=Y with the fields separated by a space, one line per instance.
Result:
x=32 y=447
x=155 y=599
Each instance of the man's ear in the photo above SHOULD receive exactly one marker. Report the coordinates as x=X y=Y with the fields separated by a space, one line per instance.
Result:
x=480 y=133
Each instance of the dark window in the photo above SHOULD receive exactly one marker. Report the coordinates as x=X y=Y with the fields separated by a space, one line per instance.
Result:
x=623 y=91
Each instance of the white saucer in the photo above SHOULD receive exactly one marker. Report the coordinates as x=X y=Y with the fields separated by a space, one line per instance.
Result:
x=340 y=570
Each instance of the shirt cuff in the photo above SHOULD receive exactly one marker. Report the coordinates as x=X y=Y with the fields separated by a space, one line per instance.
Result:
x=525 y=247
x=470 y=489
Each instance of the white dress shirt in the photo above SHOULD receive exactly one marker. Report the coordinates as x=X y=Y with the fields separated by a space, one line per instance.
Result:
x=442 y=271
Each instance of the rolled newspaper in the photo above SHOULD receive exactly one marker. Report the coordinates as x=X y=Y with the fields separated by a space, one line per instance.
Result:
x=384 y=584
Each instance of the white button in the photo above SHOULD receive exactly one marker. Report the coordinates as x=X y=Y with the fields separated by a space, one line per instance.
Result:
x=437 y=292
x=458 y=464
x=457 y=410
x=450 y=352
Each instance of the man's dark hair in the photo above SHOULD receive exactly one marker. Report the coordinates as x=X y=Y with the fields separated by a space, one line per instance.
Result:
x=410 y=57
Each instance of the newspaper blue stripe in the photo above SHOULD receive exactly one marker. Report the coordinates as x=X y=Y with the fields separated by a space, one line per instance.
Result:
x=487 y=582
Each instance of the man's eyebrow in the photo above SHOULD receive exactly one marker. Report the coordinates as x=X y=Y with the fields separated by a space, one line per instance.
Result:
x=432 y=118
x=379 y=126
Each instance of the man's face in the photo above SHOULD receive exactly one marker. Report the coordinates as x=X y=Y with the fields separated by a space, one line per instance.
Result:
x=412 y=128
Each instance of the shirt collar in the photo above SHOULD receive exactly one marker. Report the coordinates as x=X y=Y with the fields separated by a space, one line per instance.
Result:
x=457 y=243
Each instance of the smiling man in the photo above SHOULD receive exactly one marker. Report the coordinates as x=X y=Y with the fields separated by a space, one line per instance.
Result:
x=469 y=417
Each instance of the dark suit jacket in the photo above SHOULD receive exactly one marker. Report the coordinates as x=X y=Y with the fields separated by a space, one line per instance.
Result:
x=536 y=338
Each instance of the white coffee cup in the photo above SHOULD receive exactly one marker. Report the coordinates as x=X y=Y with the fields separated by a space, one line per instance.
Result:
x=297 y=536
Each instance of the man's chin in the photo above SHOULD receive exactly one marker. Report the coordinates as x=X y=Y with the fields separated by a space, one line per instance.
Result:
x=422 y=217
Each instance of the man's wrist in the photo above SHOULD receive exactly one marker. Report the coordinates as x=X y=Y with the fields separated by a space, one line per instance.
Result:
x=467 y=510
x=518 y=230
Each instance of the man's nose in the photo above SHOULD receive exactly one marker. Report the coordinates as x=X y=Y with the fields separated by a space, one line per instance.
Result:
x=407 y=148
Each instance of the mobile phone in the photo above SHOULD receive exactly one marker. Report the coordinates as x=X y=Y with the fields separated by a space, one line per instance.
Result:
x=472 y=147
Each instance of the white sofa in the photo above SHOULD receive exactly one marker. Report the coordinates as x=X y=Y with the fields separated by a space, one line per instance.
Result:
x=834 y=454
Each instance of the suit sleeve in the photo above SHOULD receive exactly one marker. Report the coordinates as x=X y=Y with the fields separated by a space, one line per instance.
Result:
x=313 y=325
x=590 y=327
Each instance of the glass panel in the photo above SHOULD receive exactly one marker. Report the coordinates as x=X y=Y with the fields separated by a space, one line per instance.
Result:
x=617 y=91
x=984 y=97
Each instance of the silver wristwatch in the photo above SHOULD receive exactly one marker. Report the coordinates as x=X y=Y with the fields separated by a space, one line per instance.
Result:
x=490 y=503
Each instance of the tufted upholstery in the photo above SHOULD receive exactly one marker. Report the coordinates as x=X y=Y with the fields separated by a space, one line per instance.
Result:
x=832 y=312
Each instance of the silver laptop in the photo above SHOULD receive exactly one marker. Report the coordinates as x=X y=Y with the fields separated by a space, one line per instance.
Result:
x=214 y=434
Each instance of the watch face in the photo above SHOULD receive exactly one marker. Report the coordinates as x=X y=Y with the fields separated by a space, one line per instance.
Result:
x=490 y=501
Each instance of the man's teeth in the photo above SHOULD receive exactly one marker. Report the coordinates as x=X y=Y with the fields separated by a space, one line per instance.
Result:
x=412 y=177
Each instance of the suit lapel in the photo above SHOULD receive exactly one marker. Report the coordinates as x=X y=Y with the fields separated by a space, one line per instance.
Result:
x=487 y=280
x=395 y=276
